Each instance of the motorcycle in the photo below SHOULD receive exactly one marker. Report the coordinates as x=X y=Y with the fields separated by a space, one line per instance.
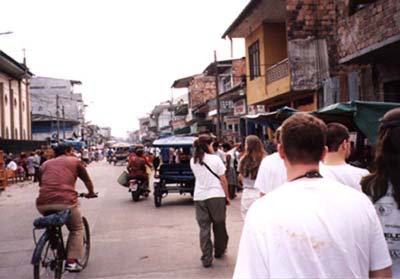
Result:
x=138 y=188
x=110 y=159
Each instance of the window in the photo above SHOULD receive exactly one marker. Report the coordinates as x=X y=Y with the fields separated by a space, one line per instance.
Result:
x=16 y=133
x=254 y=58
x=356 y=5
x=5 y=99
x=392 y=91
x=37 y=87
x=7 y=133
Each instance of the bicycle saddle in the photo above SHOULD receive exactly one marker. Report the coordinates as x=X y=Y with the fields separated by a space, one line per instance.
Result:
x=52 y=220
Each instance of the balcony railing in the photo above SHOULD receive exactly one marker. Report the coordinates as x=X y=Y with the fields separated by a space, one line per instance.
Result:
x=278 y=71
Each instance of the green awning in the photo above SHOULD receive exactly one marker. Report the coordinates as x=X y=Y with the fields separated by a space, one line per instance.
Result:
x=357 y=114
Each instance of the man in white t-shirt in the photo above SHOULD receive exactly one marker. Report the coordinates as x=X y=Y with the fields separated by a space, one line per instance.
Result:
x=272 y=171
x=311 y=227
x=334 y=165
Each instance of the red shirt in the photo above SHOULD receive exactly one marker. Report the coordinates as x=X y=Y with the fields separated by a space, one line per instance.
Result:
x=57 y=179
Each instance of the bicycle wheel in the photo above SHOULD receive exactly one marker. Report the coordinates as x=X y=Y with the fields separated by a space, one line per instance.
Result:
x=83 y=261
x=51 y=261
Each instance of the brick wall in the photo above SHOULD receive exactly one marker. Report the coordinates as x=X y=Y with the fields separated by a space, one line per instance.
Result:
x=373 y=24
x=315 y=19
x=202 y=89
x=238 y=69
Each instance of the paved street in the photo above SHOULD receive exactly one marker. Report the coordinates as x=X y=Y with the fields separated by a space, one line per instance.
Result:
x=129 y=240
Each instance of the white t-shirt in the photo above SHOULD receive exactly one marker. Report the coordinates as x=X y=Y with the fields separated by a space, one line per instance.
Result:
x=271 y=174
x=389 y=214
x=221 y=155
x=312 y=228
x=207 y=185
x=12 y=166
x=345 y=174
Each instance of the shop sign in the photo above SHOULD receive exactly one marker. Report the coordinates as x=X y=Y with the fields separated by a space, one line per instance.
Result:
x=227 y=107
x=239 y=108
x=254 y=109
x=212 y=112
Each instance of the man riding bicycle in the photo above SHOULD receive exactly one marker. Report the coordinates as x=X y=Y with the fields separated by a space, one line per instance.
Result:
x=57 y=192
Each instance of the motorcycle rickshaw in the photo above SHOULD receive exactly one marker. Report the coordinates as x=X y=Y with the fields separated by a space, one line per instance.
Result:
x=174 y=174
x=121 y=153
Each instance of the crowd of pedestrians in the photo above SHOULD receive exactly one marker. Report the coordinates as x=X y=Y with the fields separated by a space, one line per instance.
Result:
x=25 y=166
x=308 y=213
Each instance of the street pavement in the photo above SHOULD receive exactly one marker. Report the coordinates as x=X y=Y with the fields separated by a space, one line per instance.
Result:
x=129 y=239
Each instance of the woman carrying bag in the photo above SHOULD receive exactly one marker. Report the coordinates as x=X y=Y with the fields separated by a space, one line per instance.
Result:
x=248 y=169
x=211 y=197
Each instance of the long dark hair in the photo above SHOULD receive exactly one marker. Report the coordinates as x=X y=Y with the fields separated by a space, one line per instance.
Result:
x=386 y=167
x=252 y=158
x=201 y=146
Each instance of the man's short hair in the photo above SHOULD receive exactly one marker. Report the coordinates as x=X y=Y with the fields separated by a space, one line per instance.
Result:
x=303 y=138
x=336 y=134
x=62 y=149
x=139 y=152
x=278 y=134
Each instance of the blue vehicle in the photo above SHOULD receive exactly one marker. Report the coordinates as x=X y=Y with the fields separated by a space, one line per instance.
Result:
x=174 y=174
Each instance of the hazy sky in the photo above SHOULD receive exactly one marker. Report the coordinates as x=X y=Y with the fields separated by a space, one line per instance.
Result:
x=127 y=53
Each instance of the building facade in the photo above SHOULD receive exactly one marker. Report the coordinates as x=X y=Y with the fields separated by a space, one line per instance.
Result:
x=309 y=54
x=57 y=110
x=274 y=55
x=15 y=118
x=368 y=49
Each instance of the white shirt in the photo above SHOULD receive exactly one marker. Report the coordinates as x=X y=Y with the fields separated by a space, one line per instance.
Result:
x=12 y=166
x=207 y=185
x=389 y=214
x=271 y=174
x=312 y=228
x=345 y=174
x=220 y=154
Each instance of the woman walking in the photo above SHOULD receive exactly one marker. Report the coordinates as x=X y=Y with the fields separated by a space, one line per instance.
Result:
x=383 y=184
x=230 y=169
x=211 y=198
x=248 y=169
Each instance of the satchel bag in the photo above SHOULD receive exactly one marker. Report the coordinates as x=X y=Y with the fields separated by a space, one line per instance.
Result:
x=213 y=173
x=123 y=179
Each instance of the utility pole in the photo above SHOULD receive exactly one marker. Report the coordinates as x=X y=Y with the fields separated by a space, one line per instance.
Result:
x=63 y=118
x=219 y=137
x=58 y=118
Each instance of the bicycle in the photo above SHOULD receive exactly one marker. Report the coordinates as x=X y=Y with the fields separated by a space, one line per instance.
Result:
x=50 y=251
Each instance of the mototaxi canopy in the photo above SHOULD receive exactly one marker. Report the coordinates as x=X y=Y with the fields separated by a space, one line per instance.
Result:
x=175 y=141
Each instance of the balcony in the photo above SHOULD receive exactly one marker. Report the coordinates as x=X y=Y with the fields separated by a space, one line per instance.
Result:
x=278 y=71
x=278 y=79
